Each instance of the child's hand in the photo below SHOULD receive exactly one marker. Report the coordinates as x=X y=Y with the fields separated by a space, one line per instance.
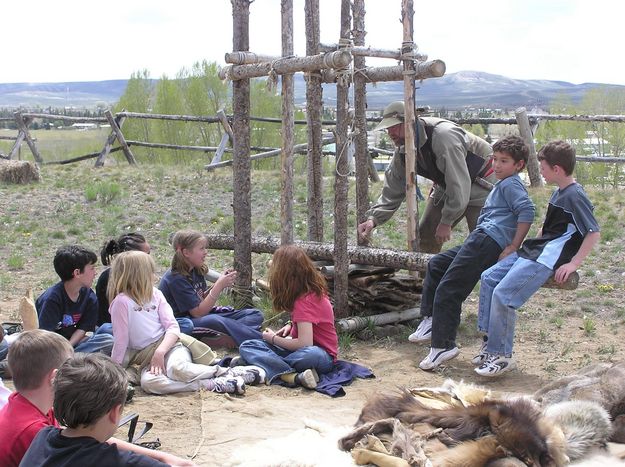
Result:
x=506 y=251
x=268 y=335
x=157 y=364
x=285 y=330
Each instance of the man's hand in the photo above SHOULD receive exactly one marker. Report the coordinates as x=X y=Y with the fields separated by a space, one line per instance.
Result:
x=507 y=251
x=364 y=230
x=563 y=272
x=443 y=233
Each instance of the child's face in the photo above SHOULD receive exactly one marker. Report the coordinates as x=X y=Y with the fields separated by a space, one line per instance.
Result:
x=504 y=165
x=548 y=172
x=87 y=275
x=196 y=255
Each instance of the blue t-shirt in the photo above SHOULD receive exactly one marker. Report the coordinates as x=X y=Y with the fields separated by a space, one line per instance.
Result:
x=506 y=205
x=569 y=218
x=183 y=293
x=51 y=449
x=58 y=313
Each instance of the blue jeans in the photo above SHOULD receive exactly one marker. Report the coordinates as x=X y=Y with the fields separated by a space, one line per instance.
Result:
x=241 y=325
x=4 y=349
x=277 y=361
x=186 y=327
x=505 y=288
x=450 y=278
x=102 y=343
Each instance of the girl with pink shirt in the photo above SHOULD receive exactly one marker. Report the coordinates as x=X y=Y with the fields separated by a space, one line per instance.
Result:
x=147 y=334
x=307 y=345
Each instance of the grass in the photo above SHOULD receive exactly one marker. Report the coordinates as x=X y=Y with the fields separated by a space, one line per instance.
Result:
x=16 y=261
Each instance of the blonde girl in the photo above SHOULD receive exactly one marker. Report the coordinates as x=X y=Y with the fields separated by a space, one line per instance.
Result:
x=147 y=334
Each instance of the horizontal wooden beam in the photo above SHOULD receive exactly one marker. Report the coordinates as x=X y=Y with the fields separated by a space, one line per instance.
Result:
x=67 y=118
x=424 y=70
x=372 y=52
x=184 y=118
x=247 y=58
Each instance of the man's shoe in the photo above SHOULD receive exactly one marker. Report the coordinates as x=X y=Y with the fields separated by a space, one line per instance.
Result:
x=495 y=365
x=423 y=332
x=438 y=356
x=482 y=355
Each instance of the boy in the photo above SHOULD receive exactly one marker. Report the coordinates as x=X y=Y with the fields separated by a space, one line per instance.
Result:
x=34 y=358
x=70 y=308
x=568 y=234
x=89 y=396
x=451 y=276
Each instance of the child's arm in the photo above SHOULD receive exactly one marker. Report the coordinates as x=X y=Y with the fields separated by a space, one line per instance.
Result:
x=157 y=455
x=521 y=231
x=172 y=334
x=119 y=320
x=77 y=337
x=225 y=280
x=304 y=337
x=564 y=271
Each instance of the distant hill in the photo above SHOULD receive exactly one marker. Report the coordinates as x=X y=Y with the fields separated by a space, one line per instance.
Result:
x=453 y=91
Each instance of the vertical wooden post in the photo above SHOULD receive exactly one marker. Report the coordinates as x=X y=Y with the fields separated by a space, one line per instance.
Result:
x=314 y=105
x=341 y=181
x=288 y=125
x=120 y=137
x=533 y=168
x=360 y=122
x=241 y=192
x=109 y=142
x=22 y=126
x=408 y=49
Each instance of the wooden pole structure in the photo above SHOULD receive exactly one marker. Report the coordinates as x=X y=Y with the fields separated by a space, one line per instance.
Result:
x=339 y=59
x=423 y=70
x=241 y=193
x=408 y=48
x=120 y=137
x=22 y=125
x=533 y=168
x=288 y=127
x=106 y=150
x=341 y=181
x=225 y=137
x=314 y=104
x=361 y=51
x=360 y=122
x=247 y=58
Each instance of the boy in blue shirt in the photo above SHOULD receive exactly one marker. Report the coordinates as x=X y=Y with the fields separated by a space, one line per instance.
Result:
x=569 y=233
x=451 y=276
x=70 y=307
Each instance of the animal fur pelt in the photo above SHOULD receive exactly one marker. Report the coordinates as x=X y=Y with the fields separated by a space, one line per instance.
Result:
x=516 y=426
x=19 y=172
x=585 y=424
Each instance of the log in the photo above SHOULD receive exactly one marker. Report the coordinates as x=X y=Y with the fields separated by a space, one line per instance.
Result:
x=184 y=118
x=84 y=157
x=22 y=125
x=247 y=58
x=8 y=138
x=607 y=160
x=109 y=142
x=341 y=173
x=220 y=149
x=357 y=323
x=361 y=51
x=65 y=118
x=424 y=70
x=408 y=49
x=339 y=59
x=223 y=119
x=286 y=157
x=314 y=107
x=525 y=130
x=120 y=137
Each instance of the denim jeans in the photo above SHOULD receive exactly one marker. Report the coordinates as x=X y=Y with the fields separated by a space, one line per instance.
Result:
x=4 y=349
x=450 y=278
x=277 y=361
x=506 y=287
x=241 y=325
x=97 y=343
x=186 y=327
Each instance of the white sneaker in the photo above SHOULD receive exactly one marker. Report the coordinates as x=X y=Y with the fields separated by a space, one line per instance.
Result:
x=250 y=374
x=482 y=355
x=495 y=365
x=423 y=332
x=438 y=356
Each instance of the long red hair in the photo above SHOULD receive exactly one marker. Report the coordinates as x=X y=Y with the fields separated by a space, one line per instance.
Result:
x=291 y=275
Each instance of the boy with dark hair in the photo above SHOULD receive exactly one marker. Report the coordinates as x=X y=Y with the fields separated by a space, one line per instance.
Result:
x=451 y=276
x=568 y=234
x=70 y=307
x=89 y=396
x=34 y=358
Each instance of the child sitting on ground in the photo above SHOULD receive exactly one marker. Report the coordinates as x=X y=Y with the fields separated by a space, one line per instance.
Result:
x=184 y=287
x=307 y=345
x=89 y=397
x=34 y=358
x=147 y=334
x=567 y=236
x=70 y=308
x=451 y=275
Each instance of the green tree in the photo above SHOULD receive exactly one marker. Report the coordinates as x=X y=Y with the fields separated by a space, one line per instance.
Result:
x=169 y=100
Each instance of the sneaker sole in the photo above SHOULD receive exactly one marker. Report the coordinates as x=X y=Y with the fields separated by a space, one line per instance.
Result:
x=433 y=366
x=420 y=340
x=502 y=371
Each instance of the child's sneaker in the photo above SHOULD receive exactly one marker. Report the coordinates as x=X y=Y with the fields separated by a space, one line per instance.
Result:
x=482 y=355
x=250 y=374
x=423 y=332
x=237 y=361
x=308 y=378
x=438 y=356
x=495 y=365
x=225 y=384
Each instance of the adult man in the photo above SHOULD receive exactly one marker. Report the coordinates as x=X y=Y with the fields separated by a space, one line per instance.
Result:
x=458 y=162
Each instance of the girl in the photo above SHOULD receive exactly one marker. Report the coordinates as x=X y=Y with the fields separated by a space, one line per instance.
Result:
x=147 y=334
x=185 y=289
x=307 y=344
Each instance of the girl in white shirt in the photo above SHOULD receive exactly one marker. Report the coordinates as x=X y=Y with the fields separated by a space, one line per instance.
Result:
x=146 y=333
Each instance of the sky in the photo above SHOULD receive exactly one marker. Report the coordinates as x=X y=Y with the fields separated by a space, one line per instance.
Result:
x=69 y=40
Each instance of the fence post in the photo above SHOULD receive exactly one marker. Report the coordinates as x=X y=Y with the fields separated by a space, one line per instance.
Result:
x=533 y=169
x=120 y=137
x=22 y=126
x=109 y=142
